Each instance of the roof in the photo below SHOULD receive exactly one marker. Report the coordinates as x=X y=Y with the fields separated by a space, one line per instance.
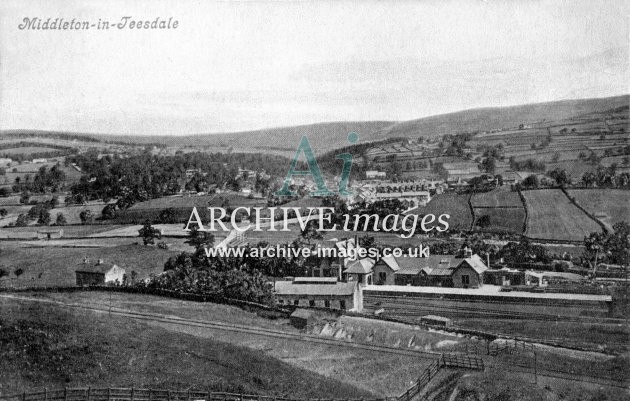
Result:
x=314 y=280
x=438 y=271
x=95 y=267
x=391 y=262
x=289 y=288
x=475 y=263
x=361 y=266
x=413 y=266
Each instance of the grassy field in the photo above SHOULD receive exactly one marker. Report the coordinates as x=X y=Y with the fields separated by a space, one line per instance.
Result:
x=607 y=205
x=188 y=202
x=455 y=205
x=503 y=219
x=26 y=150
x=50 y=266
x=497 y=198
x=550 y=215
x=45 y=346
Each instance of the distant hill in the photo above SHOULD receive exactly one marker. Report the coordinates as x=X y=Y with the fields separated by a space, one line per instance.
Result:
x=332 y=135
x=486 y=119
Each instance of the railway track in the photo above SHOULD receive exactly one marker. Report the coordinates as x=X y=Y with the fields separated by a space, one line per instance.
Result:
x=157 y=318
x=399 y=306
x=235 y=328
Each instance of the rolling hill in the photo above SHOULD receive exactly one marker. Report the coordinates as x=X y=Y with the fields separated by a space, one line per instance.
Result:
x=331 y=135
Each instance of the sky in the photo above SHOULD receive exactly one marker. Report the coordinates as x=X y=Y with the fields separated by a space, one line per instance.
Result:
x=243 y=65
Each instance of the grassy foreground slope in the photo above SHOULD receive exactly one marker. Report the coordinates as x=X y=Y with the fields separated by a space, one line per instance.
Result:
x=43 y=346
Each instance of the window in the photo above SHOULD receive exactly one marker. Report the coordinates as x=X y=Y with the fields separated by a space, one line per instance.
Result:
x=382 y=277
x=465 y=279
x=311 y=303
x=327 y=303
x=342 y=305
x=296 y=302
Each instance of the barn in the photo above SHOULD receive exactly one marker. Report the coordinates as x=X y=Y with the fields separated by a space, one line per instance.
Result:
x=98 y=273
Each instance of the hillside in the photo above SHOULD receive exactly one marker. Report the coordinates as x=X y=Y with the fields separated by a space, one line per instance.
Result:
x=485 y=119
x=331 y=135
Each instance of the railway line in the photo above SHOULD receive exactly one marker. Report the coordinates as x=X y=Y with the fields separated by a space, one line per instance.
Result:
x=406 y=307
x=151 y=317
x=234 y=328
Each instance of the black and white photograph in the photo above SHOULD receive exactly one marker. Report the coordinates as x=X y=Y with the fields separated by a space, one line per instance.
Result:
x=314 y=200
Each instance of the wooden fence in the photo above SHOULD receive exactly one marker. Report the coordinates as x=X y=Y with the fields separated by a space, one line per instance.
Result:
x=464 y=361
x=133 y=394
x=422 y=381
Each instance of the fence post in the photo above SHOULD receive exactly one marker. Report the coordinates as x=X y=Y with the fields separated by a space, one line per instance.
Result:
x=65 y=393
x=168 y=393
x=24 y=396
x=89 y=390
x=132 y=394
x=149 y=394
x=109 y=392
x=45 y=394
x=188 y=395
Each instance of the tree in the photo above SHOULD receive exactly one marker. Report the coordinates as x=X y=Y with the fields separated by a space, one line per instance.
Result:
x=200 y=239
x=86 y=216
x=367 y=242
x=483 y=221
x=489 y=165
x=60 y=220
x=22 y=220
x=560 y=176
x=595 y=247
x=44 y=217
x=54 y=201
x=109 y=211
x=149 y=233
x=310 y=232
x=3 y=212
x=25 y=197
x=531 y=181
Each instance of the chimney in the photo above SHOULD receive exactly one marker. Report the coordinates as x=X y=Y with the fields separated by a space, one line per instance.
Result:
x=100 y=262
x=467 y=252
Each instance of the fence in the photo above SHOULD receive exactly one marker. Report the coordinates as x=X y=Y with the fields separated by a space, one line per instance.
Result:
x=133 y=394
x=422 y=381
x=462 y=361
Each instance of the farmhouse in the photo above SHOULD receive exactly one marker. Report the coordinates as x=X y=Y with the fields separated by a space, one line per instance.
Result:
x=322 y=292
x=98 y=273
x=40 y=161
